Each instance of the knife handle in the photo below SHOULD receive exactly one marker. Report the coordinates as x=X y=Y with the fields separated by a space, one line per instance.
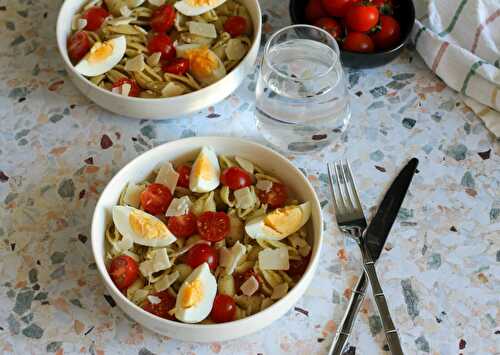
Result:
x=344 y=330
x=391 y=333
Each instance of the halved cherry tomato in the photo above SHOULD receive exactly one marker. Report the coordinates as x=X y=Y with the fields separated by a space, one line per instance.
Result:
x=213 y=226
x=123 y=271
x=182 y=226
x=184 y=172
x=361 y=18
x=235 y=25
x=276 y=197
x=156 y=198
x=389 y=34
x=178 y=66
x=167 y=302
x=235 y=178
x=162 y=43
x=358 y=42
x=78 y=46
x=95 y=17
x=202 y=253
x=337 y=8
x=314 y=11
x=330 y=25
x=134 y=88
x=163 y=18
x=223 y=309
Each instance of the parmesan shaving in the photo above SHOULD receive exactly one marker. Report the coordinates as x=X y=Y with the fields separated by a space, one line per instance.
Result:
x=173 y=89
x=274 y=259
x=81 y=24
x=167 y=176
x=244 y=198
x=229 y=259
x=153 y=299
x=154 y=59
x=202 y=29
x=133 y=195
x=250 y=286
x=136 y=64
x=179 y=206
x=159 y=261
x=125 y=11
x=264 y=185
x=166 y=281
x=157 y=2
x=125 y=89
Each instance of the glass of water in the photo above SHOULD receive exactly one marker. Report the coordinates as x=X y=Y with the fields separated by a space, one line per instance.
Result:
x=302 y=103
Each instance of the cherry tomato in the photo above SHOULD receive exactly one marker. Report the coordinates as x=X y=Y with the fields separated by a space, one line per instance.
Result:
x=298 y=267
x=162 y=43
x=389 y=33
x=182 y=226
x=330 y=25
x=178 y=66
x=223 y=309
x=358 y=42
x=78 y=46
x=337 y=8
x=123 y=271
x=156 y=198
x=235 y=25
x=361 y=18
x=163 y=18
x=385 y=7
x=235 y=178
x=184 y=172
x=276 y=197
x=161 y=309
x=314 y=11
x=95 y=17
x=213 y=226
x=134 y=88
x=202 y=253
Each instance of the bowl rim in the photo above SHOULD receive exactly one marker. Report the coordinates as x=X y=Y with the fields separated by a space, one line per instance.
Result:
x=198 y=142
x=257 y=28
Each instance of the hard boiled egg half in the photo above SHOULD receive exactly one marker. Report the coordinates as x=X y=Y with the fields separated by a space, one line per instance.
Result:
x=196 y=295
x=279 y=223
x=141 y=227
x=204 y=65
x=196 y=7
x=102 y=57
x=205 y=173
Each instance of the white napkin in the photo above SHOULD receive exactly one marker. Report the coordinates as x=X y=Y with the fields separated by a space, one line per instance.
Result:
x=460 y=41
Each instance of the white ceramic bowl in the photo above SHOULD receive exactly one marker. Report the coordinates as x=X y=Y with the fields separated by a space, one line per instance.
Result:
x=181 y=151
x=158 y=108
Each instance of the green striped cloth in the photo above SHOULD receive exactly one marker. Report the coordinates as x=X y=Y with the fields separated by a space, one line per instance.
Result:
x=460 y=41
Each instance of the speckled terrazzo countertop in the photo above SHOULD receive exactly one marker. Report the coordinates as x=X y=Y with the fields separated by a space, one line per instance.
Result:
x=440 y=269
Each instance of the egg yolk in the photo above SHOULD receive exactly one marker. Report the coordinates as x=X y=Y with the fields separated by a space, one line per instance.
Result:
x=192 y=294
x=100 y=51
x=202 y=61
x=284 y=220
x=145 y=226
x=204 y=168
x=196 y=3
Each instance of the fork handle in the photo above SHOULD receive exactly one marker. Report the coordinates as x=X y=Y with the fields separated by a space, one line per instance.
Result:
x=391 y=333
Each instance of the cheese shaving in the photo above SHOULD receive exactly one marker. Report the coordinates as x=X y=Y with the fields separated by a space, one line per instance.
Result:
x=274 y=259
x=136 y=64
x=202 y=29
x=133 y=195
x=229 y=259
x=179 y=206
x=153 y=299
x=159 y=261
x=154 y=59
x=167 y=176
x=244 y=198
x=250 y=286
x=264 y=185
x=166 y=281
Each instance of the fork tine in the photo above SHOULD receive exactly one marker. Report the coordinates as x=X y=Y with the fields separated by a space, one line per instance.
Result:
x=343 y=187
x=352 y=186
x=332 y=184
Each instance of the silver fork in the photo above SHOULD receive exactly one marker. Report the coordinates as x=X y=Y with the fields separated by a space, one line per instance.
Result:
x=351 y=220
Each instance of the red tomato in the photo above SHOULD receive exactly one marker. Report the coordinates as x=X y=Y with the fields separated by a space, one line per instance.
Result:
x=276 y=197
x=235 y=178
x=202 y=253
x=235 y=25
x=178 y=66
x=162 y=43
x=330 y=25
x=95 y=17
x=224 y=309
x=337 y=8
x=184 y=172
x=384 y=6
x=298 y=267
x=358 y=42
x=156 y=198
x=134 y=90
x=78 y=46
x=389 y=34
x=123 y=271
x=161 y=309
x=213 y=226
x=182 y=226
x=361 y=18
x=163 y=18
x=314 y=11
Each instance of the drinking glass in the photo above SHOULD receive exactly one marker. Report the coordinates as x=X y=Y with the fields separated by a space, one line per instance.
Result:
x=302 y=103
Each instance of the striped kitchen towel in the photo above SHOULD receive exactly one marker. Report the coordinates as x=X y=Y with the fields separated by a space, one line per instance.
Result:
x=460 y=41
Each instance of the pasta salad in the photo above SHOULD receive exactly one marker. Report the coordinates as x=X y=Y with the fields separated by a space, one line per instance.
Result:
x=212 y=241
x=158 y=48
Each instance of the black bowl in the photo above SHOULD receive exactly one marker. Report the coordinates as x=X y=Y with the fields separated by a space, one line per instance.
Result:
x=404 y=14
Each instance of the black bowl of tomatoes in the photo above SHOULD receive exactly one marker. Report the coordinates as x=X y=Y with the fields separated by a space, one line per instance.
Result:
x=370 y=33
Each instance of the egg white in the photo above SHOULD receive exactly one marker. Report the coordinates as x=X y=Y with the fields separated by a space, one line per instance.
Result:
x=200 y=311
x=87 y=68
x=200 y=183
x=187 y=9
x=204 y=79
